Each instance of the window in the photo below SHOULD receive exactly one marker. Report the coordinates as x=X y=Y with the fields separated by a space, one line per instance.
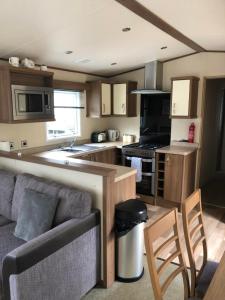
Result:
x=67 y=115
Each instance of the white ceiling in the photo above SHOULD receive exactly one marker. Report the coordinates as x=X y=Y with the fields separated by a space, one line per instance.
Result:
x=44 y=30
x=203 y=21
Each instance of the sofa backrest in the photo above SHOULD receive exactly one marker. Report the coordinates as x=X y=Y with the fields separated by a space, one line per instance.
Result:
x=72 y=203
x=7 y=184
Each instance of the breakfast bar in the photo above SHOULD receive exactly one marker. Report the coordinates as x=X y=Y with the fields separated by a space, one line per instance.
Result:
x=109 y=185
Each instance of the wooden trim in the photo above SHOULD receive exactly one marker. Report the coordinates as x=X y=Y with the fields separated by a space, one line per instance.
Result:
x=70 y=85
x=216 y=51
x=128 y=71
x=63 y=69
x=77 y=165
x=179 y=57
x=149 y=16
x=185 y=78
x=108 y=234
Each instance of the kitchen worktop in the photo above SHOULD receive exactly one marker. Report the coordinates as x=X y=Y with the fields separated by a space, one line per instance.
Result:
x=69 y=158
x=174 y=149
x=58 y=153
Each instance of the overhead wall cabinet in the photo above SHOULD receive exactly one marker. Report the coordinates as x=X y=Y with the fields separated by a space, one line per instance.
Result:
x=106 y=99
x=184 y=97
x=17 y=87
x=99 y=100
x=124 y=103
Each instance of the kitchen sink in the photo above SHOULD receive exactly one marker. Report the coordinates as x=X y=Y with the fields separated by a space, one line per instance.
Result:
x=80 y=148
x=70 y=149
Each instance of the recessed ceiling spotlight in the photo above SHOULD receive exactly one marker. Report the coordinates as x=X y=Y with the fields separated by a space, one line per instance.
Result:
x=163 y=48
x=113 y=64
x=126 y=29
x=69 y=52
x=82 y=61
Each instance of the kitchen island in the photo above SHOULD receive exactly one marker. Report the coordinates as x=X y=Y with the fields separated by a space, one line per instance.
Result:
x=109 y=184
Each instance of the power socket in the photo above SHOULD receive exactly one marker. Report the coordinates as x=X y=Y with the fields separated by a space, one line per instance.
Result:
x=12 y=145
x=24 y=143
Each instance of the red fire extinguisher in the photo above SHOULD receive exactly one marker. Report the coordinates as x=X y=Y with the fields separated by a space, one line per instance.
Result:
x=191 y=133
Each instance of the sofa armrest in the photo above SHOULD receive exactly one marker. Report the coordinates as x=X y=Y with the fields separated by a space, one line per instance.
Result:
x=34 y=251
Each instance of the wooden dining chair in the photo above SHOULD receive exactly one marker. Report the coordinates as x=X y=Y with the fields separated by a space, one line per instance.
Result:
x=195 y=236
x=160 y=227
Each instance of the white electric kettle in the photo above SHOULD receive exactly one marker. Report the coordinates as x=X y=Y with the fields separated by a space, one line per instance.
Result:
x=113 y=135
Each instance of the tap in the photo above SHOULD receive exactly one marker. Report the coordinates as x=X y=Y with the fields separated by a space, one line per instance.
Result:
x=73 y=142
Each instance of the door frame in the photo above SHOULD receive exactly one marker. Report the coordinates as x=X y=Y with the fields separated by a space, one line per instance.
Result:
x=202 y=116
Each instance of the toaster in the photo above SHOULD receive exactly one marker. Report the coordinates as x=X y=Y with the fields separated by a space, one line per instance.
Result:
x=98 y=136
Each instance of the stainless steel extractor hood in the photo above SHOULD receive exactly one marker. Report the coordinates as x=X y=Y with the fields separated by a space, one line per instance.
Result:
x=153 y=79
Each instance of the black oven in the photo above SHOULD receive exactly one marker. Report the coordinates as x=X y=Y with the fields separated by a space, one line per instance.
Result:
x=147 y=185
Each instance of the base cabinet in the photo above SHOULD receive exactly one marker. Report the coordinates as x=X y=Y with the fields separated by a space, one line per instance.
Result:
x=175 y=176
x=105 y=156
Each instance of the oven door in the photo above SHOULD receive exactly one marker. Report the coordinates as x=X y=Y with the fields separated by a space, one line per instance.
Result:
x=31 y=102
x=147 y=184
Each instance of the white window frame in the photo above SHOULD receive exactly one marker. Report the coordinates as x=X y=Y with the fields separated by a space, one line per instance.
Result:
x=78 y=116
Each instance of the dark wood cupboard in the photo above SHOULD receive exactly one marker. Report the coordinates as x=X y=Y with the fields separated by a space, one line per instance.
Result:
x=24 y=77
x=124 y=102
x=106 y=99
x=105 y=156
x=184 y=97
x=175 y=176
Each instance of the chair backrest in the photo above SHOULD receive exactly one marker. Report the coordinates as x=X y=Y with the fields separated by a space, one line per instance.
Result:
x=168 y=222
x=194 y=233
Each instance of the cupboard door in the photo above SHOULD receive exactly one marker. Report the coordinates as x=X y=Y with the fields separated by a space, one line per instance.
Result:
x=120 y=99
x=106 y=99
x=180 y=98
x=173 y=177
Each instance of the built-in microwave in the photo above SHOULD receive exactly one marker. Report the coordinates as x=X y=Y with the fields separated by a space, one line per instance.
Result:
x=30 y=103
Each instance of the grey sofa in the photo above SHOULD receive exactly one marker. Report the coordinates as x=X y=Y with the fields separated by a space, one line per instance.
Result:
x=62 y=263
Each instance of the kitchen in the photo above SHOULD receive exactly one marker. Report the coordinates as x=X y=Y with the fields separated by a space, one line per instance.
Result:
x=113 y=110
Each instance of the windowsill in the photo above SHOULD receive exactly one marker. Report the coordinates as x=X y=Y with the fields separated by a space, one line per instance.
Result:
x=61 y=139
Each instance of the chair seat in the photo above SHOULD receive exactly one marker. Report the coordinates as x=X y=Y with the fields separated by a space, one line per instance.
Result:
x=205 y=278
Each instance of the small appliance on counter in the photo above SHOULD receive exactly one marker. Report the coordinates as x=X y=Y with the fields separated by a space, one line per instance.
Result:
x=128 y=138
x=113 y=135
x=98 y=136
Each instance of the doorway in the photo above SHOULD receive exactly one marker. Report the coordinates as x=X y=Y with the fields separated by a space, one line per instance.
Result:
x=212 y=171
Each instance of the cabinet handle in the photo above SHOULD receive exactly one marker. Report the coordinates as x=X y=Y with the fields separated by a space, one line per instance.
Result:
x=103 y=108
x=123 y=107
x=174 y=108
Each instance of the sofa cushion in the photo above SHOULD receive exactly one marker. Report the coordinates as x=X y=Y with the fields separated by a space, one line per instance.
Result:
x=4 y=221
x=8 y=242
x=36 y=214
x=31 y=182
x=7 y=184
x=73 y=204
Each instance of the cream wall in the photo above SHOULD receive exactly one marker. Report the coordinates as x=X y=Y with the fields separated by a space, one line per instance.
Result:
x=35 y=133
